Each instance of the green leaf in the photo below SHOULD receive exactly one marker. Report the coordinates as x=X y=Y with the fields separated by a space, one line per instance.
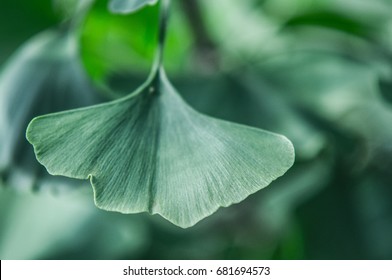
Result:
x=332 y=20
x=151 y=152
x=344 y=94
x=372 y=208
x=129 y=6
x=43 y=226
x=277 y=205
x=44 y=76
x=71 y=8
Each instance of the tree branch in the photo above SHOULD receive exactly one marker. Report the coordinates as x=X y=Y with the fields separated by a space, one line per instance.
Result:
x=206 y=49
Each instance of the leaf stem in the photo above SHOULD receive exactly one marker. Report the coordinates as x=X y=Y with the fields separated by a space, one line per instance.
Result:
x=206 y=48
x=163 y=19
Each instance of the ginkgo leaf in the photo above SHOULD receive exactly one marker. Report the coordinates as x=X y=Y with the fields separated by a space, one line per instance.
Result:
x=151 y=152
x=129 y=6
x=45 y=75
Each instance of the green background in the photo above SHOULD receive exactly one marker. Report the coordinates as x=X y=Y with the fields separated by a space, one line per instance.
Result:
x=318 y=72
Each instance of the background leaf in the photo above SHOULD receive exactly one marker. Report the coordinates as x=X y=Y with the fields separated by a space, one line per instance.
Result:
x=128 y=6
x=74 y=227
x=60 y=83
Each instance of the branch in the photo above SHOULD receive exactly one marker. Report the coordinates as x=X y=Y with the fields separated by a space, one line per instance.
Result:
x=206 y=49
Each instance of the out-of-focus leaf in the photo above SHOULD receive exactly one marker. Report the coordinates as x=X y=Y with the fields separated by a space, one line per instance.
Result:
x=44 y=76
x=250 y=36
x=129 y=6
x=373 y=209
x=113 y=44
x=250 y=99
x=277 y=205
x=332 y=20
x=356 y=28
x=29 y=230
x=103 y=32
x=342 y=92
x=386 y=89
x=374 y=11
x=68 y=226
x=71 y=8
x=151 y=152
x=329 y=84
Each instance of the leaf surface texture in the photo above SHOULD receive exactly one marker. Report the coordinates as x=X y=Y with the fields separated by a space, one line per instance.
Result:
x=151 y=152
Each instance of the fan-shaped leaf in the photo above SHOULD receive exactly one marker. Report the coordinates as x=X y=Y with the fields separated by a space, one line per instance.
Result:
x=151 y=152
x=129 y=6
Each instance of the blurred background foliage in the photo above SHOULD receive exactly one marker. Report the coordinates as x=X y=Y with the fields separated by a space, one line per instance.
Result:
x=317 y=71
